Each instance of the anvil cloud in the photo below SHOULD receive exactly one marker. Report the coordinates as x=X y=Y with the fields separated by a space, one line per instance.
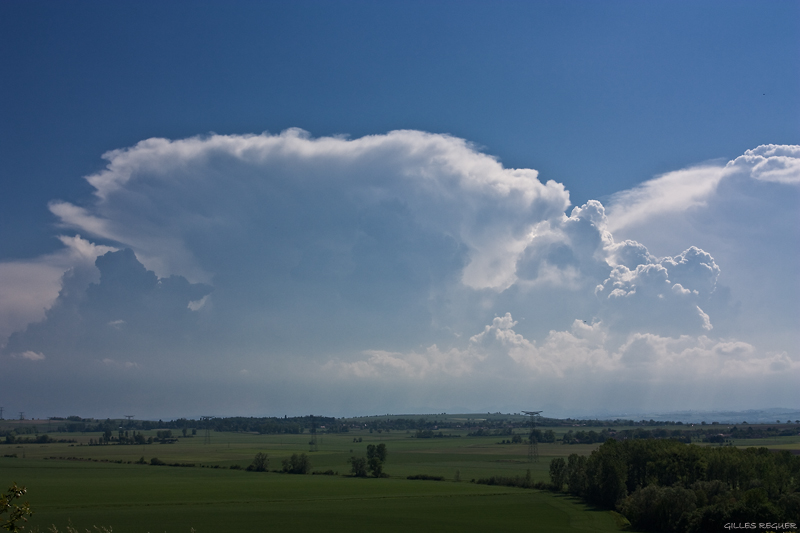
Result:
x=410 y=270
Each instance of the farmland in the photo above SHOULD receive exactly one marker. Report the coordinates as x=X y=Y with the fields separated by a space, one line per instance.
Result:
x=115 y=485
x=95 y=485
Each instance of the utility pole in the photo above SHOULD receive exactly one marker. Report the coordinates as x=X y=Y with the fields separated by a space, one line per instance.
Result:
x=207 y=436
x=533 y=446
x=313 y=442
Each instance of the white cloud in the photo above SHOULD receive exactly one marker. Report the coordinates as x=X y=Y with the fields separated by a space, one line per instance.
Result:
x=697 y=358
x=561 y=353
x=690 y=190
x=694 y=269
x=431 y=363
x=771 y=162
x=629 y=254
x=31 y=355
x=745 y=215
x=704 y=317
x=587 y=351
x=196 y=305
x=674 y=192
x=122 y=365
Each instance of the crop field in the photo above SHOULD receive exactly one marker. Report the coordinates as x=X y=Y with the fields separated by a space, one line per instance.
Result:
x=86 y=485
x=115 y=485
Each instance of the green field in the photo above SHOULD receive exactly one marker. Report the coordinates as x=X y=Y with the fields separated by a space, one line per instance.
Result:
x=98 y=486
x=86 y=486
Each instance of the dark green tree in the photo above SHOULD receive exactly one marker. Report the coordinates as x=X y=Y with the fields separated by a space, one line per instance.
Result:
x=659 y=508
x=358 y=466
x=376 y=456
x=607 y=472
x=378 y=451
x=558 y=472
x=576 y=474
x=375 y=466
x=260 y=463
x=297 y=464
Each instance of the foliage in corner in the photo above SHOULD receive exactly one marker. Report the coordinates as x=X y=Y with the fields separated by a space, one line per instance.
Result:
x=12 y=513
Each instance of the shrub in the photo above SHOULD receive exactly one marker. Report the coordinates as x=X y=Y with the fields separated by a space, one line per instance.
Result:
x=507 y=481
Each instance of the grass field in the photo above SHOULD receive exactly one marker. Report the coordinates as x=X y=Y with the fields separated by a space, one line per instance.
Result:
x=102 y=485
x=97 y=486
x=141 y=498
x=474 y=457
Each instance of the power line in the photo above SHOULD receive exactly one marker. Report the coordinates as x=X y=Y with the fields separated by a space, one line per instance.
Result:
x=207 y=436
x=533 y=445
x=313 y=442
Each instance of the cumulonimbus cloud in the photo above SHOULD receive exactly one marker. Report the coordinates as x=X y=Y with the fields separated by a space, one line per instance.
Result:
x=223 y=182
x=321 y=248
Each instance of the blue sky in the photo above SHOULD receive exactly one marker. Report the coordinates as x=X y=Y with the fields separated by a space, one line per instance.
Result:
x=289 y=253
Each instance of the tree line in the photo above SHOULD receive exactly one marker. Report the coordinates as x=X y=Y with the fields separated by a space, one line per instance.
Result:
x=666 y=485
